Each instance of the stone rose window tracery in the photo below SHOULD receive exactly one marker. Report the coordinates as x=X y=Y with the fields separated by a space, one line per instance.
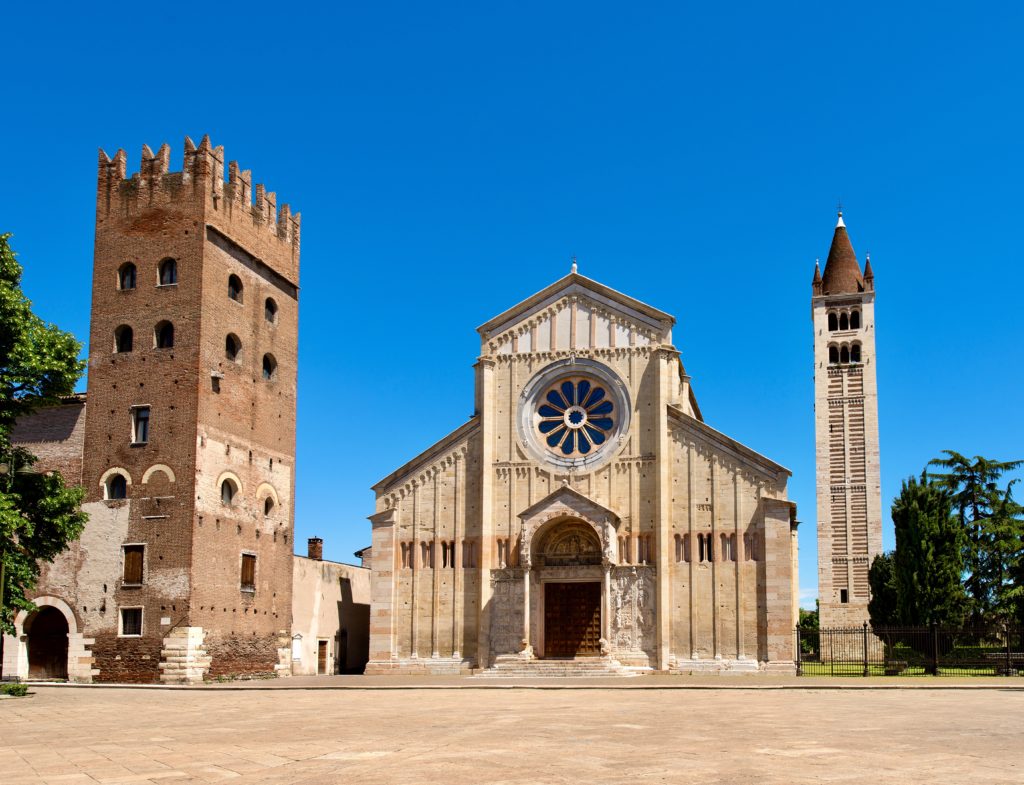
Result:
x=575 y=416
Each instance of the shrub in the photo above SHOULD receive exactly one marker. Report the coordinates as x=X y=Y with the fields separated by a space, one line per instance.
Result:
x=13 y=689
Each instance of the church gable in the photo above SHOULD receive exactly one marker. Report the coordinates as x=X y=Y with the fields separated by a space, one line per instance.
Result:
x=575 y=313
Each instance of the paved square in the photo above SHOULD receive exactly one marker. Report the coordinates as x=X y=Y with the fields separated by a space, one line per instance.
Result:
x=396 y=736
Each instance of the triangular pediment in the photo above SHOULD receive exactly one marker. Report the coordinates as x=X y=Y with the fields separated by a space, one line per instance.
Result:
x=568 y=502
x=576 y=312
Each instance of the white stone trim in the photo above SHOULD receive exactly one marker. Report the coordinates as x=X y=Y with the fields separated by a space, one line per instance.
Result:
x=158 y=467
x=110 y=473
x=266 y=489
x=80 y=660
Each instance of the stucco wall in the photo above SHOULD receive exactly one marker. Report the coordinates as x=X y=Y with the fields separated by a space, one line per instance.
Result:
x=330 y=602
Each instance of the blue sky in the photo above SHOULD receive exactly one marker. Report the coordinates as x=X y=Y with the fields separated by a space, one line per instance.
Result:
x=449 y=158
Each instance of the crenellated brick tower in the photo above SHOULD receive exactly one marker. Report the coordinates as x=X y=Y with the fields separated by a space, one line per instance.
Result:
x=190 y=428
x=846 y=432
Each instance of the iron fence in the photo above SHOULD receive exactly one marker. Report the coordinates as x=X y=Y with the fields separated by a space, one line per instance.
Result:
x=910 y=651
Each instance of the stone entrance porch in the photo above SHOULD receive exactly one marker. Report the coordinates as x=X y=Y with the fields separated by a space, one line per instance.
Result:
x=568 y=597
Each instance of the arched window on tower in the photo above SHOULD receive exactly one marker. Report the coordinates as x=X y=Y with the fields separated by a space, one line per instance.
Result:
x=270 y=310
x=126 y=276
x=855 y=320
x=163 y=335
x=168 y=272
x=232 y=347
x=833 y=321
x=855 y=353
x=116 y=487
x=228 y=491
x=269 y=367
x=123 y=338
x=844 y=322
x=235 y=288
x=844 y=355
x=833 y=355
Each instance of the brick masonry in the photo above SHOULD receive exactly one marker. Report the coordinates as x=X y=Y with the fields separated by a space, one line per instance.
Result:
x=211 y=417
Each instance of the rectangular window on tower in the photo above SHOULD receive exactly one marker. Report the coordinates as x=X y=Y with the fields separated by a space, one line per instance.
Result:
x=140 y=424
x=248 y=572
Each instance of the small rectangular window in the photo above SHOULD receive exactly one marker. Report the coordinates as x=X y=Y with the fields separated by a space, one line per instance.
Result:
x=131 y=622
x=844 y=596
x=133 y=565
x=248 y=572
x=140 y=424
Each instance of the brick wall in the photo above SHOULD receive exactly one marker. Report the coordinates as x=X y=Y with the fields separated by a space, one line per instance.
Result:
x=56 y=436
x=208 y=416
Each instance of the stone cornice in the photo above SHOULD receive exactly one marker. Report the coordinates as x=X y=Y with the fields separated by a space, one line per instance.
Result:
x=432 y=454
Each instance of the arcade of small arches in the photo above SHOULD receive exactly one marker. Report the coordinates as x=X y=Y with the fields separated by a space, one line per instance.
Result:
x=845 y=319
x=844 y=354
x=706 y=552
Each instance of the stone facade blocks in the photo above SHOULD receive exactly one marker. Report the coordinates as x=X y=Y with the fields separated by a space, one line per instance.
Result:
x=682 y=537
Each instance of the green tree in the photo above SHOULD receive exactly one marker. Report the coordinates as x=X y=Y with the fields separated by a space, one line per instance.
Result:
x=809 y=624
x=928 y=562
x=987 y=516
x=1004 y=558
x=883 y=608
x=39 y=514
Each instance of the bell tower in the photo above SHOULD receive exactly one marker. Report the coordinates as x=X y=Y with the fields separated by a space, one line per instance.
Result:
x=846 y=432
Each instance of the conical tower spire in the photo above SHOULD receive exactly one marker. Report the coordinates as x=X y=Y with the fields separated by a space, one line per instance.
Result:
x=842 y=271
x=816 y=281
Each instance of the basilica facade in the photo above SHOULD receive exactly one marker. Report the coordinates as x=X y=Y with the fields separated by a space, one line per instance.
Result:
x=585 y=513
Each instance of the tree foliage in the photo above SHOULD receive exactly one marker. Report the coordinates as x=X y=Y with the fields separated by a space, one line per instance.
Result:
x=883 y=608
x=929 y=557
x=992 y=521
x=39 y=514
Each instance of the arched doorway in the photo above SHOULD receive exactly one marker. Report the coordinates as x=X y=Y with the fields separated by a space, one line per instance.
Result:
x=47 y=633
x=568 y=561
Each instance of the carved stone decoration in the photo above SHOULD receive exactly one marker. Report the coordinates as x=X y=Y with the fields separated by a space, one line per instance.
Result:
x=507 y=613
x=570 y=544
x=633 y=611
x=564 y=504
x=524 y=550
x=609 y=543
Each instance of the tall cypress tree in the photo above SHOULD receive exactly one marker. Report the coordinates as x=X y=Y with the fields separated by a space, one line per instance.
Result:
x=883 y=608
x=929 y=559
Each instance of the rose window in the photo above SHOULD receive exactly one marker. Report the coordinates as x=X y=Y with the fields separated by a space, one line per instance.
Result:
x=575 y=416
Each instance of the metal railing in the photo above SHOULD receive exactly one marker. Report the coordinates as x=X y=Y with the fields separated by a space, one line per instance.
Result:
x=910 y=651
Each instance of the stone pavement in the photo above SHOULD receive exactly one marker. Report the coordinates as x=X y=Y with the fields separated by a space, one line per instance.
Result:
x=514 y=736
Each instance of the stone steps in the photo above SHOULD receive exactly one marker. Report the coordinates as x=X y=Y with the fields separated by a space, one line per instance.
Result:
x=511 y=666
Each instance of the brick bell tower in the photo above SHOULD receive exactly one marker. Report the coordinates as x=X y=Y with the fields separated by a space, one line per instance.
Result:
x=846 y=432
x=190 y=428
